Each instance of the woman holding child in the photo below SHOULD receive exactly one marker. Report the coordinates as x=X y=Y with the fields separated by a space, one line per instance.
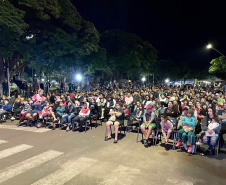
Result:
x=210 y=131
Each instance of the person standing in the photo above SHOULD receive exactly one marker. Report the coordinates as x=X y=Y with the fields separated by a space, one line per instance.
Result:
x=5 y=87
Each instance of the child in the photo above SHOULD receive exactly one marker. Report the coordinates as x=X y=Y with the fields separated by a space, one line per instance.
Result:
x=167 y=127
x=126 y=110
x=5 y=108
x=187 y=132
x=25 y=109
x=47 y=110
x=59 y=113
x=214 y=124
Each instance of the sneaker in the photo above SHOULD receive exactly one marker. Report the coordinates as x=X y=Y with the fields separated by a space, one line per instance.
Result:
x=179 y=143
x=207 y=152
x=190 y=149
x=149 y=142
x=198 y=143
x=13 y=118
x=145 y=143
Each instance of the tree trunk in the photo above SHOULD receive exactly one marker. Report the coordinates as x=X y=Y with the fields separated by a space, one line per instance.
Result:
x=2 y=73
x=18 y=68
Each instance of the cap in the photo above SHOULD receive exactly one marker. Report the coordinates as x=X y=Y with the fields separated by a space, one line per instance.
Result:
x=148 y=107
x=186 y=108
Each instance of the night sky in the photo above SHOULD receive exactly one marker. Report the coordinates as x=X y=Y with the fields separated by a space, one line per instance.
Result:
x=178 y=29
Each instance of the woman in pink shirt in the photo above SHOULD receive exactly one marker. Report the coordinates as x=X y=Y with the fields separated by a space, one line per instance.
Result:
x=38 y=97
x=167 y=127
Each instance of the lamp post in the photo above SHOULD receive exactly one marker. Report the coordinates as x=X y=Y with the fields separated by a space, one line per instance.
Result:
x=79 y=79
x=167 y=80
x=209 y=46
x=143 y=79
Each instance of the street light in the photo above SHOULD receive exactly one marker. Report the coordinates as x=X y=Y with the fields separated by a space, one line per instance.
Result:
x=209 y=46
x=167 y=80
x=143 y=79
x=43 y=80
x=79 y=77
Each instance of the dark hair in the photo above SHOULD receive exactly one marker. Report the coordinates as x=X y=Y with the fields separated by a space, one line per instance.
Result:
x=190 y=111
x=164 y=116
x=216 y=119
x=68 y=102
x=119 y=103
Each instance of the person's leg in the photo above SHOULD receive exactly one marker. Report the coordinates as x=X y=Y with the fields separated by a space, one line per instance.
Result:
x=54 y=117
x=168 y=135
x=34 y=116
x=28 y=116
x=185 y=139
x=102 y=113
x=22 y=116
x=206 y=140
x=70 y=118
x=149 y=133
x=82 y=121
x=143 y=130
x=191 y=141
x=213 y=141
x=108 y=128
x=150 y=128
x=116 y=125
x=64 y=118
x=190 y=136
x=180 y=133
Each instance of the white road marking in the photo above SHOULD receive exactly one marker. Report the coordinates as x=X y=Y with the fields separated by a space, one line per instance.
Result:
x=28 y=129
x=67 y=171
x=21 y=167
x=2 y=141
x=178 y=181
x=14 y=150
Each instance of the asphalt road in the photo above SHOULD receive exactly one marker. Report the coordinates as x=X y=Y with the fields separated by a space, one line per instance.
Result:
x=41 y=156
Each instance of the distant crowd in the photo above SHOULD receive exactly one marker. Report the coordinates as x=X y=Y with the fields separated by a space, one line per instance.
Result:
x=197 y=115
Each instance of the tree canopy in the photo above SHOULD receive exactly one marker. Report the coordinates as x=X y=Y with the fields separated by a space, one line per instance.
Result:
x=218 y=67
x=127 y=54
x=37 y=30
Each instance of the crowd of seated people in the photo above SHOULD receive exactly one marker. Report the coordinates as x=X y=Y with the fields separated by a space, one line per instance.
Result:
x=191 y=111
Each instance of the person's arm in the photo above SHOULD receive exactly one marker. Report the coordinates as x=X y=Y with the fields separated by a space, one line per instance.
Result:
x=204 y=126
x=163 y=131
x=114 y=103
x=172 y=114
x=7 y=108
x=144 y=119
x=191 y=122
x=118 y=114
x=217 y=129
x=151 y=120
x=112 y=112
x=131 y=101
